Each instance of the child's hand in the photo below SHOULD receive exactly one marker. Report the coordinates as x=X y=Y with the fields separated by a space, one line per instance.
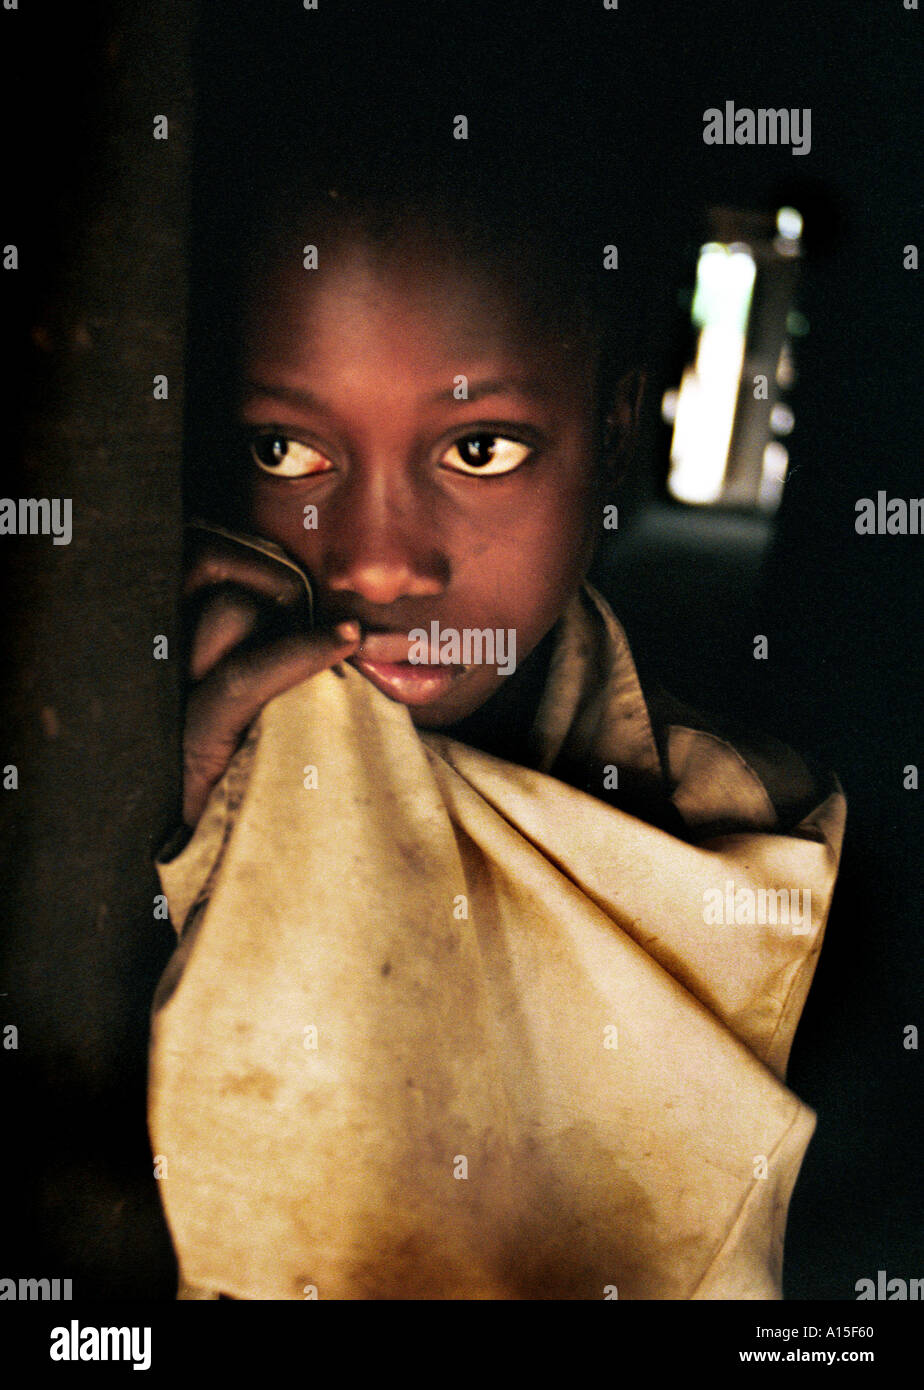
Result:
x=251 y=639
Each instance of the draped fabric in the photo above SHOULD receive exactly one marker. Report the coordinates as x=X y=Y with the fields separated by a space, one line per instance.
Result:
x=442 y=1026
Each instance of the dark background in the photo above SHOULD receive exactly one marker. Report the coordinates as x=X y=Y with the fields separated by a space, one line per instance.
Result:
x=106 y=218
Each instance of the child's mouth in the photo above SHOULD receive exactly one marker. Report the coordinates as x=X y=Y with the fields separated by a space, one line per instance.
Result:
x=411 y=685
x=383 y=659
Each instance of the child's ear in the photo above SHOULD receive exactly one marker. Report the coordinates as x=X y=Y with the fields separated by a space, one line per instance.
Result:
x=622 y=423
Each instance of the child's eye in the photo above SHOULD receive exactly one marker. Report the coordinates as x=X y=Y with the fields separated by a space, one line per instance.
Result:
x=286 y=458
x=485 y=454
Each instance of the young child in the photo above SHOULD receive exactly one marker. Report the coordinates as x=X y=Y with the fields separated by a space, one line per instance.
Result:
x=489 y=962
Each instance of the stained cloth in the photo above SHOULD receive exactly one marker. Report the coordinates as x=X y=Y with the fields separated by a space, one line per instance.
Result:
x=443 y=1026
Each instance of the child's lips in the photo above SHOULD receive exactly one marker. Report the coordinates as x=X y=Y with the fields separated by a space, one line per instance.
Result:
x=383 y=658
x=411 y=685
x=390 y=647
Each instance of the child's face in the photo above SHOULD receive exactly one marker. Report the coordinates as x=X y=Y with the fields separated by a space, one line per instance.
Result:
x=471 y=508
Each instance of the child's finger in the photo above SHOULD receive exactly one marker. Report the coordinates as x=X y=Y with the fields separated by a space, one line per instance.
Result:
x=213 y=560
x=221 y=706
x=226 y=618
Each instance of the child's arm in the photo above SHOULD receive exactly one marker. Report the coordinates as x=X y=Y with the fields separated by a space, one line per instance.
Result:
x=250 y=640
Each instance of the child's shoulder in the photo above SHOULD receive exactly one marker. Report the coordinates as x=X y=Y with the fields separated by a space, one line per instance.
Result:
x=724 y=776
x=694 y=774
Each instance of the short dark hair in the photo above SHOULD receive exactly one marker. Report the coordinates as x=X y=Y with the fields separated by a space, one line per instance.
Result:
x=548 y=225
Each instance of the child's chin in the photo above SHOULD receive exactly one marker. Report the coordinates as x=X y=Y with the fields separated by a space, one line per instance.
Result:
x=472 y=691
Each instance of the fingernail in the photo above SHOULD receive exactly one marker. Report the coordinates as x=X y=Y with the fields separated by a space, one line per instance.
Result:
x=347 y=632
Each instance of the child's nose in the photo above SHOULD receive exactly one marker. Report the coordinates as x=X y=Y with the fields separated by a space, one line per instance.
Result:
x=383 y=582
x=384 y=551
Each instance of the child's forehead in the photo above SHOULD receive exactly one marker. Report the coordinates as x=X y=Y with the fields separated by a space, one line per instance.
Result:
x=421 y=293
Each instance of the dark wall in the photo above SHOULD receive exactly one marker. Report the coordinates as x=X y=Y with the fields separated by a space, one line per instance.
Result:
x=96 y=309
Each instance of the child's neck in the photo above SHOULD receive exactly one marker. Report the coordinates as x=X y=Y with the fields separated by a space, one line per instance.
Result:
x=502 y=725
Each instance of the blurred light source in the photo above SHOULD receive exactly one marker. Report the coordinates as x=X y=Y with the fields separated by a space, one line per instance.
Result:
x=704 y=409
x=669 y=406
x=789 y=224
x=782 y=419
x=785 y=369
x=773 y=475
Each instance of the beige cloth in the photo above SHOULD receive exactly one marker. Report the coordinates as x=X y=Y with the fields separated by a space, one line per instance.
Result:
x=538 y=1072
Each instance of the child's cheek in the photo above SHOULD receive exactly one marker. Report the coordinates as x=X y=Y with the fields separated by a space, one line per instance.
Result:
x=568 y=529
x=291 y=518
